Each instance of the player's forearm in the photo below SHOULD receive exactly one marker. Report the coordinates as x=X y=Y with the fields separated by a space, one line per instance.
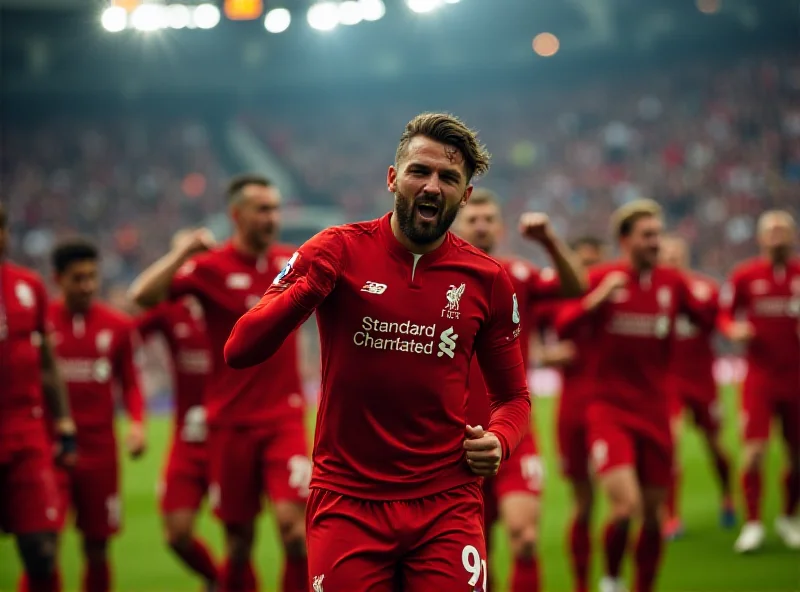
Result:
x=53 y=387
x=133 y=400
x=571 y=274
x=571 y=314
x=152 y=285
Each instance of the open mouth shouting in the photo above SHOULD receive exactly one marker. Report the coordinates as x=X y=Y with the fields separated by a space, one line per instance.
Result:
x=426 y=211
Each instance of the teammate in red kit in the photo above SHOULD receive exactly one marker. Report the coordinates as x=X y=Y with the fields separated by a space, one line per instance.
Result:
x=761 y=309
x=402 y=307
x=28 y=490
x=631 y=312
x=95 y=346
x=185 y=480
x=572 y=353
x=694 y=387
x=257 y=439
x=513 y=494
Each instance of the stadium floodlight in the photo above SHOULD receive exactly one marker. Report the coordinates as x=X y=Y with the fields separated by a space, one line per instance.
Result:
x=423 y=6
x=178 y=16
x=147 y=17
x=372 y=10
x=277 y=20
x=350 y=12
x=206 y=16
x=323 y=16
x=114 y=19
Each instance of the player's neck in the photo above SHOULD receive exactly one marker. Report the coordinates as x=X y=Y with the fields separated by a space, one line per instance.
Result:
x=76 y=309
x=243 y=247
x=776 y=261
x=410 y=245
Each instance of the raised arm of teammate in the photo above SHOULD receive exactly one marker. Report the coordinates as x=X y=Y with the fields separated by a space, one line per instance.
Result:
x=152 y=286
x=305 y=282
x=571 y=274
x=571 y=314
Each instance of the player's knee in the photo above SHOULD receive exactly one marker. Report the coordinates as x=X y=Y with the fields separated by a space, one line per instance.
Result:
x=523 y=542
x=95 y=550
x=179 y=538
x=624 y=507
x=238 y=542
x=293 y=537
x=38 y=553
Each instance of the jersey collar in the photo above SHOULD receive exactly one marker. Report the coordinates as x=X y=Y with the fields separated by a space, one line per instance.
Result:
x=398 y=250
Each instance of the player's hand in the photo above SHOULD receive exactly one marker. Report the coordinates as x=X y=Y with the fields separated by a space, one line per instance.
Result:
x=612 y=282
x=135 y=441
x=66 y=445
x=559 y=354
x=536 y=227
x=741 y=332
x=484 y=451
x=196 y=242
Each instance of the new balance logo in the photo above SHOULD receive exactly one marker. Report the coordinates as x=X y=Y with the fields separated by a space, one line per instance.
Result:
x=447 y=345
x=374 y=288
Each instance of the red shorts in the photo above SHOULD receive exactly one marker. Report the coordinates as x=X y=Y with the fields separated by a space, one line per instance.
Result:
x=573 y=448
x=246 y=462
x=706 y=412
x=29 y=500
x=432 y=543
x=614 y=445
x=185 y=480
x=759 y=408
x=91 y=491
x=523 y=472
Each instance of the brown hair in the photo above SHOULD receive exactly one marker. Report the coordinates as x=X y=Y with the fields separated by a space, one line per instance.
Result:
x=481 y=196
x=587 y=241
x=450 y=130
x=625 y=217
x=239 y=182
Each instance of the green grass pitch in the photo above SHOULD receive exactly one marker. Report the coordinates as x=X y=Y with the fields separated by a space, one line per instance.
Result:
x=702 y=561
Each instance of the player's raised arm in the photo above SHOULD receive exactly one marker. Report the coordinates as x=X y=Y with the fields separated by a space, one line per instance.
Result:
x=572 y=313
x=571 y=274
x=131 y=390
x=152 y=286
x=505 y=372
x=305 y=282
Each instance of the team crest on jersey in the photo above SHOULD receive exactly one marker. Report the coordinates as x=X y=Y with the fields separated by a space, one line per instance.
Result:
x=238 y=281
x=701 y=291
x=454 y=295
x=664 y=297
x=181 y=330
x=547 y=274
x=520 y=271
x=759 y=287
x=24 y=294
x=103 y=341
x=287 y=269
x=186 y=269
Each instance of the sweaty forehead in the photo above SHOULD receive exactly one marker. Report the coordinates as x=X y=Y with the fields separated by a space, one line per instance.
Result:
x=423 y=150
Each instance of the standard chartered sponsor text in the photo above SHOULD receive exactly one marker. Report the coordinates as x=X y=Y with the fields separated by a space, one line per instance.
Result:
x=396 y=336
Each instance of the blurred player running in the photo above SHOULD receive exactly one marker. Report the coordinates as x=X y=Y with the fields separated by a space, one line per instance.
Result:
x=402 y=307
x=632 y=311
x=256 y=441
x=95 y=346
x=761 y=309
x=29 y=500
x=573 y=354
x=513 y=494
x=185 y=480
x=694 y=387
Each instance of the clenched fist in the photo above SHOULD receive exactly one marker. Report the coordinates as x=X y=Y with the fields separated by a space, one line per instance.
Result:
x=536 y=226
x=484 y=451
x=196 y=241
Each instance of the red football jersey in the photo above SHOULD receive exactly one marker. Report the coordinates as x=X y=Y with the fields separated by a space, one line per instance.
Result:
x=693 y=358
x=182 y=326
x=633 y=335
x=398 y=332
x=227 y=283
x=96 y=357
x=23 y=320
x=768 y=297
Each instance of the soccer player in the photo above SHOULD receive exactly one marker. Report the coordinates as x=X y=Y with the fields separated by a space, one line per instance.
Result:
x=573 y=354
x=694 y=388
x=761 y=309
x=29 y=499
x=631 y=312
x=402 y=306
x=95 y=347
x=514 y=493
x=256 y=441
x=185 y=480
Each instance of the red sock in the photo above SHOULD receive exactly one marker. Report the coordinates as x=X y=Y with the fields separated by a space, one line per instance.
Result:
x=751 y=486
x=723 y=468
x=580 y=548
x=648 y=556
x=295 y=574
x=49 y=584
x=615 y=540
x=97 y=576
x=791 y=488
x=673 y=493
x=198 y=558
x=525 y=575
x=237 y=577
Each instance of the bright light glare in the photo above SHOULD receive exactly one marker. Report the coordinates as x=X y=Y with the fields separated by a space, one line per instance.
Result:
x=423 y=6
x=206 y=16
x=350 y=12
x=452 y=1
x=277 y=20
x=147 y=17
x=114 y=19
x=323 y=16
x=372 y=10
x=178 y=16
